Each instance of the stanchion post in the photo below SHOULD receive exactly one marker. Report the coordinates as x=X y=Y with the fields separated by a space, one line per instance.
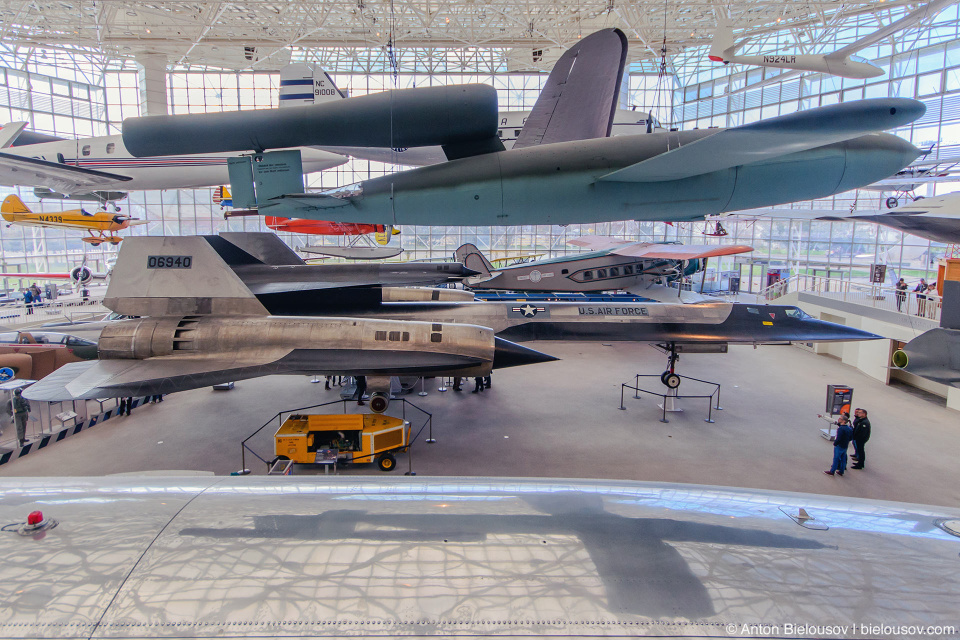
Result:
x=423 y=392
x=430 y=439
x=622 y=408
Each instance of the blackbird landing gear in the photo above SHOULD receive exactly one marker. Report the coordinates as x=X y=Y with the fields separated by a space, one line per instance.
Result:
x=670 y=378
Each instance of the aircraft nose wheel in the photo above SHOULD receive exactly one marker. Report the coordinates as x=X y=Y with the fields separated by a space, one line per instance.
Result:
x=670 y=379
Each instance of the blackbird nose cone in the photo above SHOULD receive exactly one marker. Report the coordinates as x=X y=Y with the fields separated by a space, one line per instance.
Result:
x=511 y=354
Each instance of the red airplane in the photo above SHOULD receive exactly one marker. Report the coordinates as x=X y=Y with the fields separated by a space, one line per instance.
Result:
x=311 y=227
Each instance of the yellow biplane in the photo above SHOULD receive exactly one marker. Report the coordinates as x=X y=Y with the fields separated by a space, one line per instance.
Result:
x=101 y=224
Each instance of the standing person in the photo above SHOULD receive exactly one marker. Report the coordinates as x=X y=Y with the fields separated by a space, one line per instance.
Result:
x=840 y=444
x=28 y=300
x=901 y=288
x=21 y=411
x=861 y=433
x=457 y=380
x=478 y=384
x=920 y=290
x=361 y=389
x=122 y=407
x=487 y=381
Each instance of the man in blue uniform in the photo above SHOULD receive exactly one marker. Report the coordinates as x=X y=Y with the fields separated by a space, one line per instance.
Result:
x=844 y=435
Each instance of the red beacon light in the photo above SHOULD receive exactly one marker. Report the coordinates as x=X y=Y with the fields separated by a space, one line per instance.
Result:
x=35 y=518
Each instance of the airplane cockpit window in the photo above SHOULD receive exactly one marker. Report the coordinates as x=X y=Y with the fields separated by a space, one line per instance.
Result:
x=753 y=310
x=85 y=150
x=74 y=341
x=354 y=190
x=111 y=147
x=859 y=59
x=84 y=212
x=11 y=337
x=793 y=312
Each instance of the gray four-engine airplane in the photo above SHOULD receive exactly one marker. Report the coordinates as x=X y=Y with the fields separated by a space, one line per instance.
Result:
x=614 y=264
x=201 y=323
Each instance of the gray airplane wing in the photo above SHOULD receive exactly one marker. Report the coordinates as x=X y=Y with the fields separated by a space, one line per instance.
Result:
x=33 y=172
x=580 y=97
x=772 y=138
x=118 y=378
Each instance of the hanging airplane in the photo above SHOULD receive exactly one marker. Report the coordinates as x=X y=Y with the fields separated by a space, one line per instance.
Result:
x=723 y=49
x=923 y=13
x=78 y=276
x=100 y=169
x=614 y=264
x=936 y=218
x=563 y=168
x=509 y=123
x=209 y=310
x=904 y=183
x=382 y=233
x=101 y=225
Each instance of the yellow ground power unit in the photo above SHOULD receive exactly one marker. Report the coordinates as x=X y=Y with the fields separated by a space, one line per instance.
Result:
x=305 y=439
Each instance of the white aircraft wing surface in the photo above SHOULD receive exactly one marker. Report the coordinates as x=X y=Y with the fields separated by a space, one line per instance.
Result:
x=32 y=172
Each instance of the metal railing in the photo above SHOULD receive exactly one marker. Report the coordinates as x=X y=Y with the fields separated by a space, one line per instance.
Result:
x=19 y=314
x=924 y=305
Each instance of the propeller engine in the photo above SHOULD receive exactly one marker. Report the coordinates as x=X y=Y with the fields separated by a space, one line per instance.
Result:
x=81 y=275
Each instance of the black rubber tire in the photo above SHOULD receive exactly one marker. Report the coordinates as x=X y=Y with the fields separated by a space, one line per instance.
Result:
x=386 y=462
x=663 y=377
x=672 y=380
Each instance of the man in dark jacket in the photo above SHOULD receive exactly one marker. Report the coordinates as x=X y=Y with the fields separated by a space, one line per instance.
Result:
x=21 y=412
x=861 y=433
x=844 y=435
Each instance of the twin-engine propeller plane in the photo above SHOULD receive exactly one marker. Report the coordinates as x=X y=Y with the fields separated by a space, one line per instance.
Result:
x=222 y=308
x=614 y=264
x=102 y=225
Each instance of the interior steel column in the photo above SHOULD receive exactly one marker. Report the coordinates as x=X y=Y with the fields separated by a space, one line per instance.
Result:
x=153 y=83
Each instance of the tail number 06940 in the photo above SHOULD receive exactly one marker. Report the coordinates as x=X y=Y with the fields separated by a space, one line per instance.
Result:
x=169 y=262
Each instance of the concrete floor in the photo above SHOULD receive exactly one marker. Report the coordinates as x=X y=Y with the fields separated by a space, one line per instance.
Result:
x=562 y=419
